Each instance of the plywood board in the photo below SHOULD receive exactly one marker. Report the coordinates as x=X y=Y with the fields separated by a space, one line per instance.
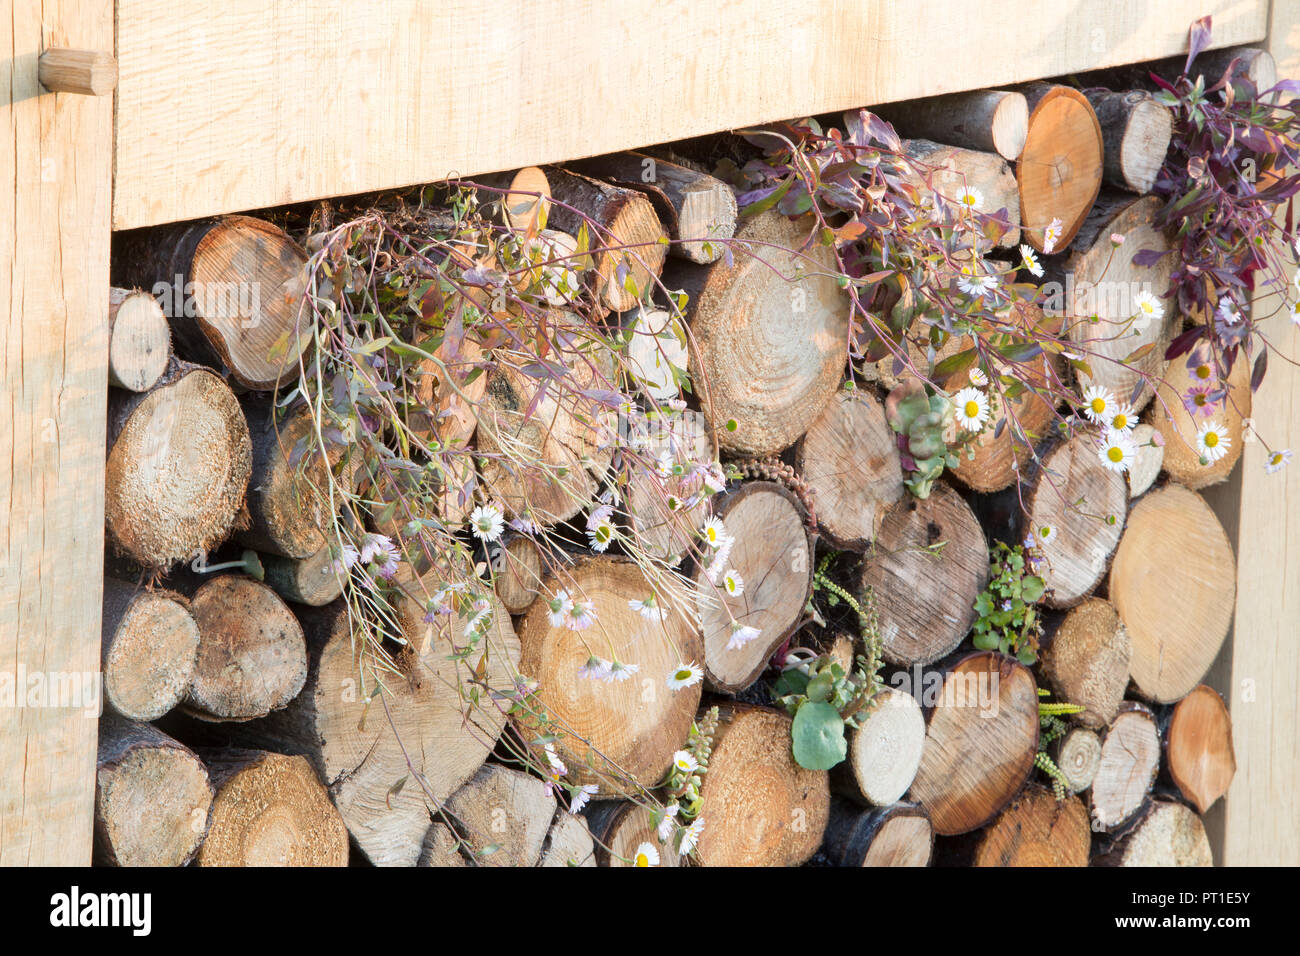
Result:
x=251 y=103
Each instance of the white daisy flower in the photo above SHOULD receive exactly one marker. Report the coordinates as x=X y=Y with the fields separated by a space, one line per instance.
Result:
x=713 y=532
x=684 y=762
x=557 y=765
x=648 y=609
x=600 y=533
x=348 y=556
x=741 y=634
x=1052 y=235
x=1045 y=534
x=595 y=669
x=1031 y=260
x=1277 y=461
x=973 y=284
x=582 y=796
x=664 y=465
x=558 y=608
x=970 y=198
x=733 y=583
x=377 y=547
x=665 y=826
x=691 y=836
x=717 y=562
x=1213 y=441
x=1097 y=403
x=685 y=675
x=1148 y=308
x=581 y=615
x=621 y=672
x=1227 y=312
x=487 y=522
x=1121 y=419
x=972 y=409
x=977 y=376
x=715 y=478
x=1295 y=310
x=1117 y=452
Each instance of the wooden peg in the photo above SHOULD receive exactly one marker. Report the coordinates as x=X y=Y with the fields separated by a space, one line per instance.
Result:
x=89 y=72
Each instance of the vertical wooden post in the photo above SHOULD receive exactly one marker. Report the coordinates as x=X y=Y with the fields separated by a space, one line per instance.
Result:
x=55 y=199
x=1258 y=819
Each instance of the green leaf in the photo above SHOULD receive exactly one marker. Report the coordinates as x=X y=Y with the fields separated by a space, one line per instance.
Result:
x=1031 y=589
x=820 y=687
x=955 y=363
x=817 y=736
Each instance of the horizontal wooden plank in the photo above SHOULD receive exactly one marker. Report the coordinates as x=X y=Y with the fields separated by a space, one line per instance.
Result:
x=251 y=103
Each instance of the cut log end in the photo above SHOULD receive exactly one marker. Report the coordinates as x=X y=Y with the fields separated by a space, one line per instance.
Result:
x=313 y=580
x=1036 y=830
x=759 y=807
x=1198 y=747
x=925 y=600
x=980 y=745
x=897 y=835
x=1059 y=171
x=1183 y=459
x=773 y=555
x=622 y=831
x=139 y=340
x=1174 y=585
x=270 y=810
x=150 y=647
x=179 y=460
x=1130 y=756
x=885 y=749
x=1087 y=661
x=1077 y=756
x=1169 y=834
x=503 y=815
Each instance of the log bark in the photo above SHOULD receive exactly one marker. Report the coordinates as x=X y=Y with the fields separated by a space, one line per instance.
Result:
x=1076 y=508
x=1130 y=757
x=1100 y=279
x=1199 y=757
x=760 y=386
x=628 y=221
x=980 y=743
x=139 y=341
x=884 y=750
x=312 y=580
x=569 y=843
x=1168 y=834
x=1255 y=64
x=252 y=657
x=270 y=810
x=149 y=649
x=1173 y=582
x=152 y=796
x=179 y=459
x=391 y=745
x=1059 y=170
x=619 y=828
x=926 y=601
x=625 y=729
x=849 y=457
x=994 y=121
x=774 y=556
x=1178 y=427
x=1135 y=132
x=558 y=454
x=896 y=835
x=1036 y=831
x=233 y=289
x=503 y=816
x=1086 y=661
x=759 y=807
x=289 y=491
x=1077 y=756
x=698 y=211
x=518 y=572
x=950 y=171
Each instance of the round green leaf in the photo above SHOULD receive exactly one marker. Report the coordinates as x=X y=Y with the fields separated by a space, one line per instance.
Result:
x=818 y=736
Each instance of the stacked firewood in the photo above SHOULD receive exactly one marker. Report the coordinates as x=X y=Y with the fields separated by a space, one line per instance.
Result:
x=241 y=732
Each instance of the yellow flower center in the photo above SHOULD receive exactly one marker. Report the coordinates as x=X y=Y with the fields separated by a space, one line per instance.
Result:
x=972 y=409
x=642 y=860
x=1148 y=308
x=1098 y=405
x=1115 y=454
x=1199 y=399
x=681 y=675
x=968 y=199
x=1120 y=421
x=1211 y=439
x=1202 y=371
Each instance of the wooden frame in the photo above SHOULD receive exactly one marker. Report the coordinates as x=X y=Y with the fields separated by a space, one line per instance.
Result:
x=253 y=103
